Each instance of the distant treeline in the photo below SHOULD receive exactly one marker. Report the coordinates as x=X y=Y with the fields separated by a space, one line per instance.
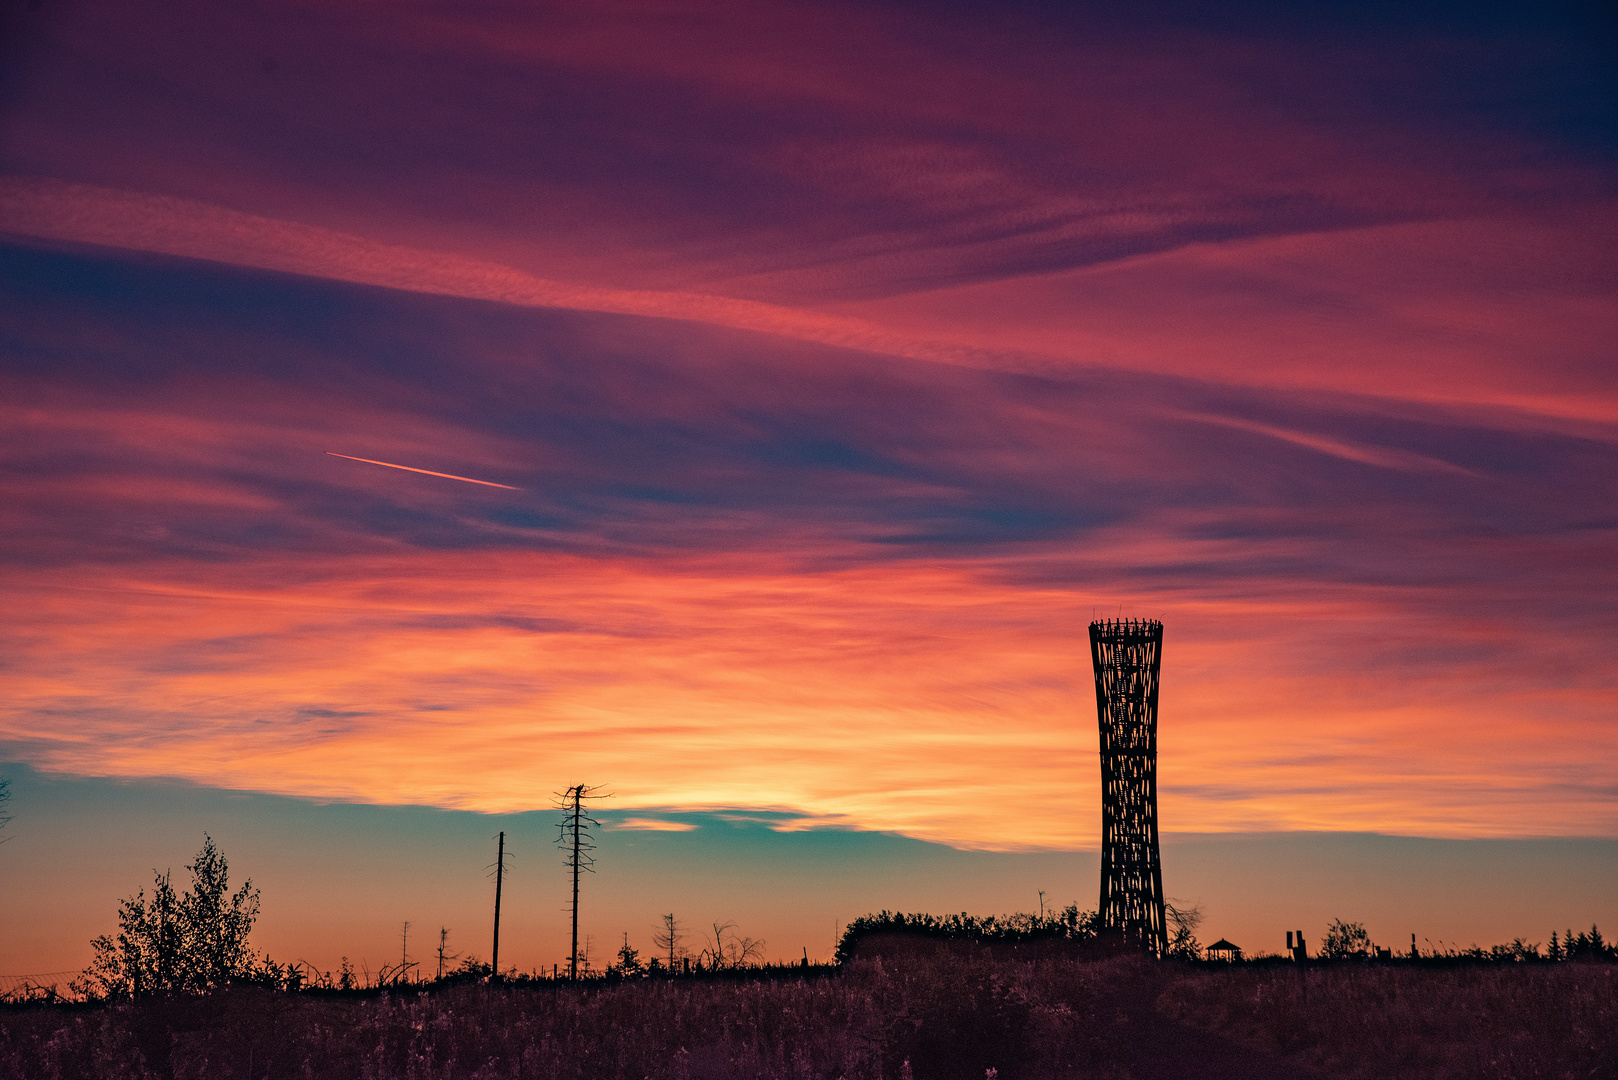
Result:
x=1344 y=941
x=1067 y=924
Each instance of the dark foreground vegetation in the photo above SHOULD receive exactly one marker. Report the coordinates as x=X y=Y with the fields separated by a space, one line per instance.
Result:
x=900 y=1006
x=177 y=994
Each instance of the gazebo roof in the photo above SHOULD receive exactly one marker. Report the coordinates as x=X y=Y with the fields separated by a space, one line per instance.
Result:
x=1224 y=946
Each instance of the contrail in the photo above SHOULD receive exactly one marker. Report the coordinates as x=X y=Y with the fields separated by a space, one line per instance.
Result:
x=428 y=472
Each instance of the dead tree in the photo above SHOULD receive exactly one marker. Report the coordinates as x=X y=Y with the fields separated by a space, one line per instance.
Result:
x=574 y=839
x=668 y=938
x=443 y=953
x=738 y=952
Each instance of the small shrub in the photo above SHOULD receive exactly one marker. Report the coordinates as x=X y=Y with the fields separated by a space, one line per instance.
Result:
x=1345 y=941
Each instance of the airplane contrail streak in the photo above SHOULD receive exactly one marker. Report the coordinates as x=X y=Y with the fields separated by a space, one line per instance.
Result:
x=427 y=472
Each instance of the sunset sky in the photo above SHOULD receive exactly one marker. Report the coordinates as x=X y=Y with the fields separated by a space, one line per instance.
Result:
x=821 y=370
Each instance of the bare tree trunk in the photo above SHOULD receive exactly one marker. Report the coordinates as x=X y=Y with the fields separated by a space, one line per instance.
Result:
x=578 y=793
x=499 y=876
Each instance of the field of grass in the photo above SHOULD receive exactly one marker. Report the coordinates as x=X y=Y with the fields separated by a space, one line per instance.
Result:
x=899 y=1008
x=1423 y=1020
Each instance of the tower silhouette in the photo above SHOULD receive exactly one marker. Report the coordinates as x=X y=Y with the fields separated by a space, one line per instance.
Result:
x=1127 y=654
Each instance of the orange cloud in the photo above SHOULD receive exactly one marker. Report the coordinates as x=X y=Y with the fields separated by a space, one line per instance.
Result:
x=939 y=701
x=645 y=824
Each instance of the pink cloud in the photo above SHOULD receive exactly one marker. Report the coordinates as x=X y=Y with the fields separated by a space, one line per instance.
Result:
x=1522 y=343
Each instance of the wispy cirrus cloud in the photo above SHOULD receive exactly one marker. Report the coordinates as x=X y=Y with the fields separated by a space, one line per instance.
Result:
x=162 y=224
x=1402 y=460
x=740 y=573
x=1316 y=199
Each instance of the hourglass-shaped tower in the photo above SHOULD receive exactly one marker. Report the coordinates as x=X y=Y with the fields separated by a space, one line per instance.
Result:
x=1127 y=654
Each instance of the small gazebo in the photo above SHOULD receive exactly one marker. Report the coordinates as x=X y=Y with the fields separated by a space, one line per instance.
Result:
x=1224 y=950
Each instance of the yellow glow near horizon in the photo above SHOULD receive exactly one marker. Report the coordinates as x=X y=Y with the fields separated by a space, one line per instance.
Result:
x=924 y=700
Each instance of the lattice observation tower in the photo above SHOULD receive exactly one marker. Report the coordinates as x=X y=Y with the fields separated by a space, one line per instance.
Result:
x=1127 y=654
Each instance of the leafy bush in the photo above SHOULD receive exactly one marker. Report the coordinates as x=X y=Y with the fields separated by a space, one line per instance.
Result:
x=190 y=942
x=1183 y=925
x=1345 y=941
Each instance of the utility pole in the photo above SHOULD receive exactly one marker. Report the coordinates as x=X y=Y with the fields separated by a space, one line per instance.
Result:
x=499 y=876
x=443 y=936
